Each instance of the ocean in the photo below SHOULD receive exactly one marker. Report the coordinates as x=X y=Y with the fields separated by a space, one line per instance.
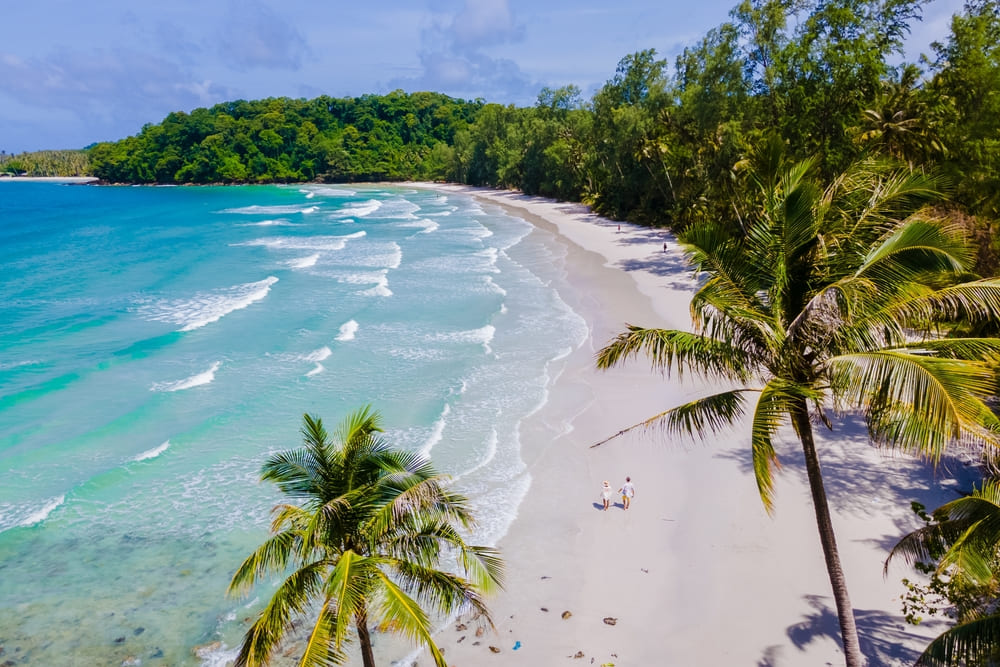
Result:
x=157 y=343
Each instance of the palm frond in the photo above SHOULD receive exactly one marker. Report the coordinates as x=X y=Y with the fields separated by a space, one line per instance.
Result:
x=270 y=557
x=290 y=599
x=915 y=402
x=670 y=349
x=349 y=585
x=402 y=610
x=700 y=417
x=293 y=471
x=965 y=644
x=777 y=400
x=976 y=301
x=320 y=649
x=915 y=247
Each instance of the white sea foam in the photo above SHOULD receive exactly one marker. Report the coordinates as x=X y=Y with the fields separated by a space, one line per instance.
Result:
x=329 y=192
x=494 y=287
x=379 y=278
x=317 y=355
x=316 y=370
x=381 y=289
x=196 y=380
x=424 y=225
x=207 y=307
x=280 y=222
x=304 y=242
x=212 y=656
x=491 y=453
x=309 y=195
x=271 y=210
x=309 y=209
x=152 y=453
x=347 y=330
x=358 y=210
x=6 y=366
x=437 y=431
x=398 y=209
x=27 y=514
x=482 y=335
x=304 y=262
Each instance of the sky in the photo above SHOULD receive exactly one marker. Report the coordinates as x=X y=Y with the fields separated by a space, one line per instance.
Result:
x=73 y=73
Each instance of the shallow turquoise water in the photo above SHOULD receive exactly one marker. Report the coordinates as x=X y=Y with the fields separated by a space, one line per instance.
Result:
x=157 y=343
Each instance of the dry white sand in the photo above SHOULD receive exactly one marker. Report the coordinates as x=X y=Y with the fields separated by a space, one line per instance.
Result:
x=695 y=573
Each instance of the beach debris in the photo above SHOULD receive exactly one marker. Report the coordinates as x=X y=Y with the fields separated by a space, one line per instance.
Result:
x=494 y=649
x=476 y=643
x=608 y=620
x=544 y=608
x=545 y=576
x=517 y=645
x=460 y=627
x=578 y=654
x=644 y=570
x=131 y=661
x=479 y=631
x=460 y=639
x=567 y=614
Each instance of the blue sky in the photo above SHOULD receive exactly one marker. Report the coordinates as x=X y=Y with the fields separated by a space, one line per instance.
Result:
x=72 y=72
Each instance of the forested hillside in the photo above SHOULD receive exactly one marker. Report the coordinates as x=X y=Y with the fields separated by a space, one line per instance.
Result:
x=369 y=138
x=657 y=144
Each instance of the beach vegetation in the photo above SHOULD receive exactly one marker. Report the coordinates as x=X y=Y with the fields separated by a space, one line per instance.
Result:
x=958 y=552
x=45 y=163
x=364 y=542
x=824 y=298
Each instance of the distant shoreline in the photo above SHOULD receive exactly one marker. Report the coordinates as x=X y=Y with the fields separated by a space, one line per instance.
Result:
x=49 y=179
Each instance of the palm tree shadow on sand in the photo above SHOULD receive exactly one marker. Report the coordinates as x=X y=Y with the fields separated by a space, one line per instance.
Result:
x=884 y=638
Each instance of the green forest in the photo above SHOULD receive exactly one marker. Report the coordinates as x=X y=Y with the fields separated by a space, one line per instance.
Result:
x=659 y=143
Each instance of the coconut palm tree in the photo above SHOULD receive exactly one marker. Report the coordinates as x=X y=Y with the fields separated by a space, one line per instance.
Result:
x=821 y=300
x=362 y=542
x=963 y=538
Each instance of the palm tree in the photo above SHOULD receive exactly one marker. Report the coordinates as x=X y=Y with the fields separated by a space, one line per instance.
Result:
x=964 y=539
x=822 y=300
x=364 y=541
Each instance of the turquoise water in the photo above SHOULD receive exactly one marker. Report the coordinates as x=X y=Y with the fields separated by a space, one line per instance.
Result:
x=157 y=343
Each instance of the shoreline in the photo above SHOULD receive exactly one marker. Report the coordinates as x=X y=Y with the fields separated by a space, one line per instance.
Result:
x=72 y=180
x=696 y=554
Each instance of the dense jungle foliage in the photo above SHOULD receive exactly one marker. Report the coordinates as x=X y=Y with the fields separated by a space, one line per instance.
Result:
x=657 y=145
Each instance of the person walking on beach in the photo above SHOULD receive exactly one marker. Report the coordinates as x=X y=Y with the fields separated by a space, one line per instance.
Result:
x=627 y=492
x=606 y=494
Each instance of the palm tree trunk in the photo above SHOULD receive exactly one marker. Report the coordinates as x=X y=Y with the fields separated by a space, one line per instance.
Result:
x=845 y=613
x=364 y=638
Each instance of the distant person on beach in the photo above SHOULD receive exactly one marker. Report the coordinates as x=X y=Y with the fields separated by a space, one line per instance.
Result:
x=606 y=494
x=627 y=492
x=664 y=247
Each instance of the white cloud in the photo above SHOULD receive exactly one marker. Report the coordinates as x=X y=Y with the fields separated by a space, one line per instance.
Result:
x=255 y=36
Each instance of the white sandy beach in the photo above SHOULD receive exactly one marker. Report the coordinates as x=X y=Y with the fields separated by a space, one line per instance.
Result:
x=695 y=573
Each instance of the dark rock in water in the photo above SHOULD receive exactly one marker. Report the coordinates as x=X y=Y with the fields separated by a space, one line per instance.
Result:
x=610 y=621
x=158 y=653
x=9 y=663
x=494 y=649
x=120 y=640
x=138 y=631
x=567 y=614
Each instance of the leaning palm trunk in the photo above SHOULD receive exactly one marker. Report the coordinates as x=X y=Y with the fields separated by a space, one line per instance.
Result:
x=845 y=612
x=841 y=299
